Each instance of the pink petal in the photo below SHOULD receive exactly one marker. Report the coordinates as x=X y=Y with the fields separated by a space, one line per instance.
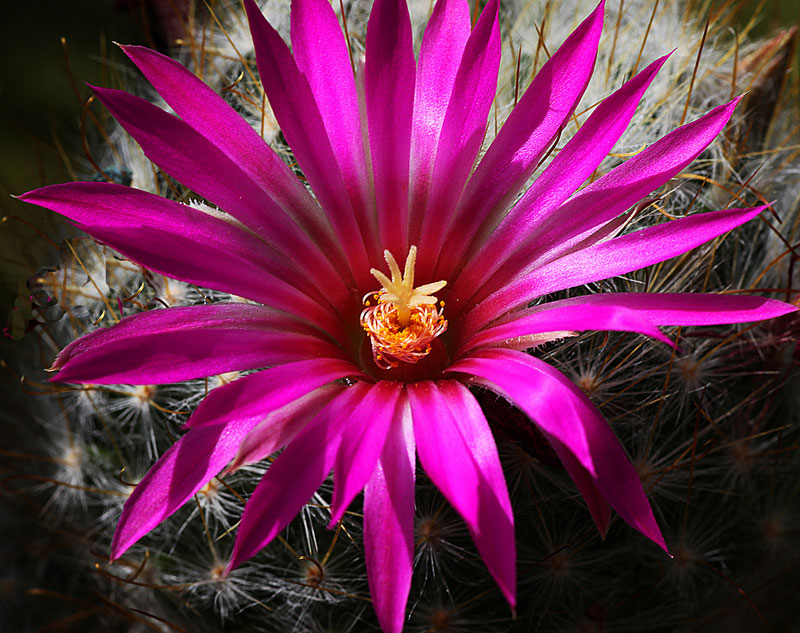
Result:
x=462 y=131
x=566 y=318
x=608 y=259
x=187 y=244
x=562 y=411
x=637 y=177
x=211 y=116
x=583 y=153
x=507 y=247
x=200 y=454
x=322 y=56
x=440 y=55
x=300 y=120
x=177 y=344
x=362 y=443
x=186 y=467
x=293 y=477
x=280 y=427
x=389 y=79
x=585 y=483
x=442 y=451
x=665 y=308
x=494 y=533
x=257 y=394
x=530 y=129
x=389 y=523
x=457 y=451
x=555 y=416
x=202 y=167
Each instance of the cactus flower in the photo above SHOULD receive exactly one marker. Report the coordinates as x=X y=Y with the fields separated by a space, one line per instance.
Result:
x=401 y=271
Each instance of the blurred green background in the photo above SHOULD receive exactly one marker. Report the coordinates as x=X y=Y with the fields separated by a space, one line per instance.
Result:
x=41 y=103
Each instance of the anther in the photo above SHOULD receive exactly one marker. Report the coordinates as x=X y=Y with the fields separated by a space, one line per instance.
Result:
x=405 y=319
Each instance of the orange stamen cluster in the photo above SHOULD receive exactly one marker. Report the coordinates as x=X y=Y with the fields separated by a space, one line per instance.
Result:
x=405 y=320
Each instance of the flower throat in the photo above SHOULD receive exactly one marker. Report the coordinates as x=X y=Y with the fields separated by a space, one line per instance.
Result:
x=404 y=320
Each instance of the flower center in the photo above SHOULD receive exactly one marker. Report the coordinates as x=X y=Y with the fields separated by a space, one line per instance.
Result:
x=404 y=320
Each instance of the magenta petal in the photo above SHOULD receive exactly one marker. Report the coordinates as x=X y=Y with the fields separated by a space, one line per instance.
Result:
x=363 y=442
x=558 y=417
x=209 y=114
x=458 y=453
x=196 y=162
x=462 y=131
x=389 y=523
x=225 y=419
x=440 y=55
x=389 y=80
x=293 y=477
x=177 y=344
x=185 y=243
x=637 y=177
x=185 y=468
x=582 y=154
x=281 y=426
x=566 y=318
x=442 y=451
x=255 y=395
x=322 y=56
x=302 y=124
x=494 y=532
x=585 y=483
x=665 y=308
x=509 y=244
x=609 y=259
x=530 y=129
x=562 y=411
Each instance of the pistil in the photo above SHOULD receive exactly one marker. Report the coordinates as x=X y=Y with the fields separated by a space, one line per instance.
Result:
x=404 y=320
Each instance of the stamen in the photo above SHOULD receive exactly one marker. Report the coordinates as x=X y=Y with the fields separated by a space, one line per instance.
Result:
x=405 y=320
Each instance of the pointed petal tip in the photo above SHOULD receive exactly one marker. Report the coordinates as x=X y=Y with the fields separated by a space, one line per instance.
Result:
x=136 y=52
x=658 y=63
x=661 y=543
x=602 y=521
x=105 y=95
x=599 y=13
x=229 y=568
x=510 y=594
x=235 y=560
x=56 y=369
x=119 y=545
x=650 y=530
x=726 y=109
x=56 y=377
x=335 y=518
x=33 y=196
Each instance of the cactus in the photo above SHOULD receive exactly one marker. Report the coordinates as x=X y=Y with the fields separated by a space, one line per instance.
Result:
x=711 y=427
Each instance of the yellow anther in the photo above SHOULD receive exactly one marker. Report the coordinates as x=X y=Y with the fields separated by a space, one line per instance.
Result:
x=406 y=319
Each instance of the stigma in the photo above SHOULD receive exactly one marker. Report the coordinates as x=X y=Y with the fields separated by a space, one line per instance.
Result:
x=404 y=320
